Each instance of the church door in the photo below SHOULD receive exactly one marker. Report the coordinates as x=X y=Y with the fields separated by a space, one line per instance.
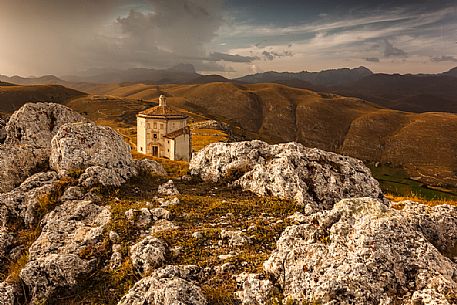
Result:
x=155 y=151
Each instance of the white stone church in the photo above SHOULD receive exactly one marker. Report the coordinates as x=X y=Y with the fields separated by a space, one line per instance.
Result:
x=163 y=132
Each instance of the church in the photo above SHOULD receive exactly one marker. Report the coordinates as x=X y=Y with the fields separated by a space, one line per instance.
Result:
x=163 y=132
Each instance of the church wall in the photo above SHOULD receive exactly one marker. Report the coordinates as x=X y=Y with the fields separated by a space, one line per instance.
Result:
x=141 y=136
x=181 y=147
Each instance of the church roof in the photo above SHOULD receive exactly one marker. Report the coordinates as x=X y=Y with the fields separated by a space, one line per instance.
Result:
x=162 y=112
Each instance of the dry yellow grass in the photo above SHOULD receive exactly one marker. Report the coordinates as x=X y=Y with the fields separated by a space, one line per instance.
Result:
x=421 y=200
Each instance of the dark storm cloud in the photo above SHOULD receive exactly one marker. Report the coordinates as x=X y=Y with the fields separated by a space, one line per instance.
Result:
x=57 y=36
x=217 y=56
x=63 y=36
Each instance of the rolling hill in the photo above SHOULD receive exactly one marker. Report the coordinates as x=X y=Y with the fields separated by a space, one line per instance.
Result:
x=424 y=144
x=13 y=97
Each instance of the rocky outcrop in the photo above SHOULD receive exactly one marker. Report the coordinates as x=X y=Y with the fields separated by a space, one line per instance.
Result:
x=22 y=204
x=98 y=151
x=234 y=238
x=171 y=285
x=312 y=177
x=7 y=294
x=36 y=123
x=168 y=189
x=255 y=289
x=17 y=162
x=27 y=145
x=2 y=130
x=148 y=254
x=62 y=255
x=363 y=252
x=150 y=168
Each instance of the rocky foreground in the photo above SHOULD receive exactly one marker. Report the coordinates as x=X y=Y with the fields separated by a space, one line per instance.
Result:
x=84 y=223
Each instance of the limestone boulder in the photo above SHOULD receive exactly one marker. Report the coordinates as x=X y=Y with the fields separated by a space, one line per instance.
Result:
x=234 y=239
x=148 y=254
x=8 y=293
x=255 y=289
x=312 y=177
x=150 y=168
x=98 y=151
x=171 y=285
x=363 y=252
x=18 y=162
x=168 y=189
x=62 y=255
x=2 y=130
x=22 y=205
x=37 y=123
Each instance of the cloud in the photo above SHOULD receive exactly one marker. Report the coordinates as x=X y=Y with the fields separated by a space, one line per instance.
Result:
x=372 y=59
x=444 y=59
x=64 y=36
x=271 y=55
x=217 y=56
x=391 y=51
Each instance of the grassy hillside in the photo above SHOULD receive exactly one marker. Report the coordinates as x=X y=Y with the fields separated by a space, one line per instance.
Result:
x=13 y=97
x=423 y=144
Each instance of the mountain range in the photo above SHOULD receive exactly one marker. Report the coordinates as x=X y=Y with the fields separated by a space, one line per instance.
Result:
x=414 y=93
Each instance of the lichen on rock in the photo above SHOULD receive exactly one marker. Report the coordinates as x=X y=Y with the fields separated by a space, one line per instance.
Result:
x=312 y=177
x=364 y=252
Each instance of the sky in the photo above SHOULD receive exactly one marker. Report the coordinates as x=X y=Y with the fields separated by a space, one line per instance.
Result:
x=226 y=37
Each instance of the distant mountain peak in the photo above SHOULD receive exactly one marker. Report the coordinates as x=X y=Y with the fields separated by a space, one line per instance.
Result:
x=451 y=72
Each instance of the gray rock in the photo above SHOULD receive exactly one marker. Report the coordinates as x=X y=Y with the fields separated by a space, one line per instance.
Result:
x=54 y=260
x=26 y=148
x=73 y=193
x=312 y=177
x=37 y=123
x=162 y=225
x=171 y=285
x=8 y=294
x=198 y=235
x=17 y=162
x=168 y=189
x=160 y=213
x=116 y=257
x=150 y=168
x=148 y=254
x=254 y=289
x=22 y=204
x=363 y=252
x=98 y=151
x=114 y=237
x=2 y=130
x=168 y=202
x=141 y=218
x=6 y=240
x=234 y=239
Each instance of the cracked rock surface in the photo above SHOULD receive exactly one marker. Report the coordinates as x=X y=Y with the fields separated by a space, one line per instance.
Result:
x=363 y=252
x=312 y=177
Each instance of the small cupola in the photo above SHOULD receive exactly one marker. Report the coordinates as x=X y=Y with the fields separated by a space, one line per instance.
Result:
x=162 y=101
